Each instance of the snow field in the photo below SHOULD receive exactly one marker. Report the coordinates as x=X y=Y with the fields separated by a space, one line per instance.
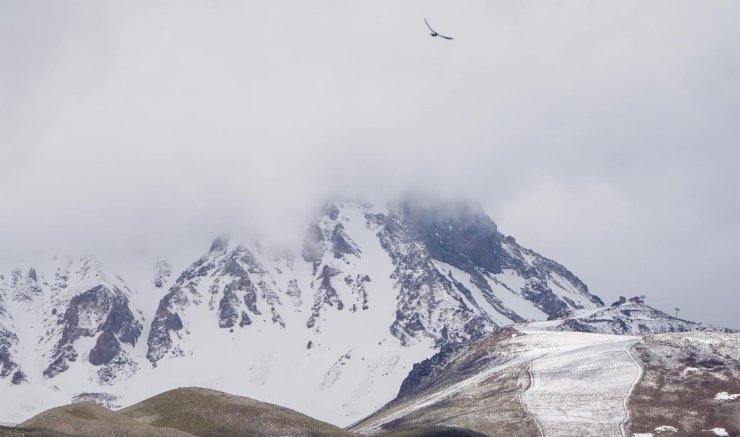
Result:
x=580 y=389
x=579 y=382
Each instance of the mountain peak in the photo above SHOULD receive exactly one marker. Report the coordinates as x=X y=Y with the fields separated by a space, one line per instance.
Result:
x=219 y=243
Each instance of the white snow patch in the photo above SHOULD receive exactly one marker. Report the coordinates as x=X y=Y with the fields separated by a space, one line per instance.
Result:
x=478 y=299
x=580 y=388
x=724 y=396
x=508 y=286
x=719 y=431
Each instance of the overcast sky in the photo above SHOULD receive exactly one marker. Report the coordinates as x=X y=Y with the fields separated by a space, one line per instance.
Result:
x=604 y=135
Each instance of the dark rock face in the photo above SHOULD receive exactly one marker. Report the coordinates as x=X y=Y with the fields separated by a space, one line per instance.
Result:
x=547 y=301
x=7 y=340
x=422 y=373
x=18 y=377
x=326 y=294
x=165 y=321
x=7 y=365
x=220 y=243
x=109 y=309
x=341 y=244
x=228 y=309
x=61 y=359
x=106 y=349
x=459 y=234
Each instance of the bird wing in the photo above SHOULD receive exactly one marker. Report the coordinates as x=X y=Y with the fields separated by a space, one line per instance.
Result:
x=430 y=27
x=445 y=37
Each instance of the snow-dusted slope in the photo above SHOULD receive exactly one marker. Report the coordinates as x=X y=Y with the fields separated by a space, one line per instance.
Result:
x=556 y=383
x=373 y=291
x=625 y=319
x=580 y=387
x=538 y=382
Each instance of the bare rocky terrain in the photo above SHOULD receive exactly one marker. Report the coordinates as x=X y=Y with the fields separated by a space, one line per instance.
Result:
x=690 y=382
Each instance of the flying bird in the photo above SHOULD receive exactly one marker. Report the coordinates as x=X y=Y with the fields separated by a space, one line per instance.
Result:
x=434 y=32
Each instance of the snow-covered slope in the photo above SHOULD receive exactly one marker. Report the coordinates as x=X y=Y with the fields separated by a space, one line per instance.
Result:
x=555 y=383
x=70 y=323
x=373 y=291
x=532 y=383
x=580 y=387
x=624 y=319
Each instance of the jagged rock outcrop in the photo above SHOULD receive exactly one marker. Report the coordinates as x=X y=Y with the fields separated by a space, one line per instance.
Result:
x=24 y=287
x=9 y=368
x=231 y=281
x=427 y=242
x=99 y=311
x=73 y=300
x=454 y=275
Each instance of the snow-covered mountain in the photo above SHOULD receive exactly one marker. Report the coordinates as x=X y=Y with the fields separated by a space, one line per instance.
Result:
x=53 y=318
x=443 y=275
x=373 y=291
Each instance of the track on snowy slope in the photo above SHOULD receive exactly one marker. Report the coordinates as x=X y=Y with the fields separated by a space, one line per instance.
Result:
x=581 y=389
x=568 y=369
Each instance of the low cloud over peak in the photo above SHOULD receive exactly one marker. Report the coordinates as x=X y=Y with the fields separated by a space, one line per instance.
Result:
x=604 y=136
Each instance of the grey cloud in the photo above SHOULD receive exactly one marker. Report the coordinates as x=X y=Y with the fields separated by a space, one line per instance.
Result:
x=602 y=134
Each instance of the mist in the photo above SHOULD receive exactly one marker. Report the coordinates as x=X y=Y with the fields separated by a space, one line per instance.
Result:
x=603 y=135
